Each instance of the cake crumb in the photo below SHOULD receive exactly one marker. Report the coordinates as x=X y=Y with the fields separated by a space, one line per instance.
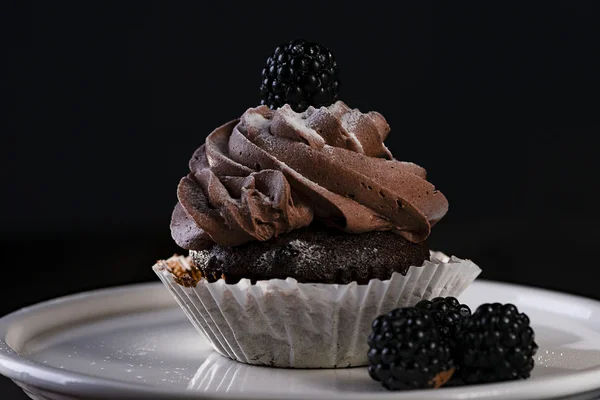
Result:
x=184 y=272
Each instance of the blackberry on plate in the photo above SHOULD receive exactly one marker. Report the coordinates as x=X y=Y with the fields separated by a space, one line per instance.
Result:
x=300 y=74
x=448 y=314
x=406 y=351
x=496 y=344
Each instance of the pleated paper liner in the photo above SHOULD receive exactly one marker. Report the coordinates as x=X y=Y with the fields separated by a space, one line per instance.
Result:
x=283 y=323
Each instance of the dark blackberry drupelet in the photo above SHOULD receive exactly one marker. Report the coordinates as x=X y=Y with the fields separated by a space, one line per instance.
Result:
x=406 y=351
x=300 y=74
x=450 y=317
x=448 y=314
x=495 y=344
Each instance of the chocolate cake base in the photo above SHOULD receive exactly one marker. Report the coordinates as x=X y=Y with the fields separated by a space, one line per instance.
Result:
x=313 y=255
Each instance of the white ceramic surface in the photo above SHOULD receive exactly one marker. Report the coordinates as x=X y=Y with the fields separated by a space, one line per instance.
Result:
x=135 y=342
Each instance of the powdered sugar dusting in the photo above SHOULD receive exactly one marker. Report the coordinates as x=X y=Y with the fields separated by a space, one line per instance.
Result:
x=257 y=121
x=295 y=121
x=338 y=108
x=307 y=254
x=349 y=122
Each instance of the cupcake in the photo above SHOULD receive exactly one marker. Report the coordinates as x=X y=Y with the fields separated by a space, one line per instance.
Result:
x=301 y=227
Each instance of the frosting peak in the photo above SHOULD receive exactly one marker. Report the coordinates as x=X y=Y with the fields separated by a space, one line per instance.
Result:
x=273 y=171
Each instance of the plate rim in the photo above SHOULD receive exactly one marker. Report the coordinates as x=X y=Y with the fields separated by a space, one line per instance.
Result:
x=49 y=378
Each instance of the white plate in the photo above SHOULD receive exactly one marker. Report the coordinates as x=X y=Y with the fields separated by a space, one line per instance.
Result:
x=134 y=342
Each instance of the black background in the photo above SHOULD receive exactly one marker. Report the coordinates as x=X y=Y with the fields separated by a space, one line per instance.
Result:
x=106 y=102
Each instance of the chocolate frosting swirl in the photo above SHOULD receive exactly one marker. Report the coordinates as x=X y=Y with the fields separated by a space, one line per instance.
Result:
x=273 y=171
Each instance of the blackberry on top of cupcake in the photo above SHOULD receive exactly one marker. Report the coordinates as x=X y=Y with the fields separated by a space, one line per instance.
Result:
x=300 y=74
x=303 y=186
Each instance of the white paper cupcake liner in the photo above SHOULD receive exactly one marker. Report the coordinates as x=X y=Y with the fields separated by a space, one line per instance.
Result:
x=283 y=323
